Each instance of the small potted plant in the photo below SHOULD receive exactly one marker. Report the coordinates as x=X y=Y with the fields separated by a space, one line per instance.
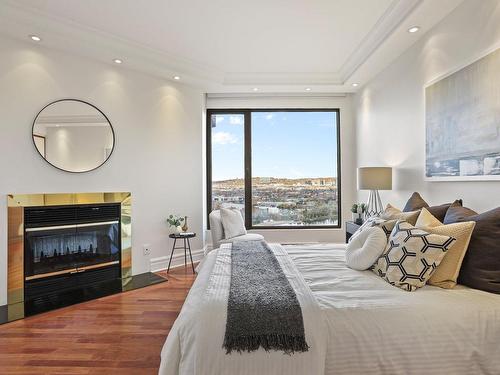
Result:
x=175 y=221
x=358 y=209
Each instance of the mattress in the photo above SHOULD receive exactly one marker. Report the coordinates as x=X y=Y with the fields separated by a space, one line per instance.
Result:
x=366 y=325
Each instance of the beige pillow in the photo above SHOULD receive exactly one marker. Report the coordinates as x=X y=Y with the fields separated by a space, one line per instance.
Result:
x=446 y=274
x=389 y=211
x=427 y=220
x=393 y=213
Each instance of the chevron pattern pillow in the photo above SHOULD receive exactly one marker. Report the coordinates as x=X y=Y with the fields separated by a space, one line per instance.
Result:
x=411 y=256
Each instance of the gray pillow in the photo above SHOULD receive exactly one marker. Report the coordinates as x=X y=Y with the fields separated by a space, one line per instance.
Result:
x=416 y=202
x=481 y=265
x=439 y=212
x=456 y=213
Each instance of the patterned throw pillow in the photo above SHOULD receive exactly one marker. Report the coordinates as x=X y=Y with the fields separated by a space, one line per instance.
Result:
x=385 y=225
x=411 y=256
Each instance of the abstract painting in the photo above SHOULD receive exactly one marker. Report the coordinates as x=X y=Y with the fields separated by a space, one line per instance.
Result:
x=462 y=120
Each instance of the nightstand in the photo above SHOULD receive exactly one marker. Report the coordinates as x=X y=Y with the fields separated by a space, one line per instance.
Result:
x=350 y=228
x=187 y=247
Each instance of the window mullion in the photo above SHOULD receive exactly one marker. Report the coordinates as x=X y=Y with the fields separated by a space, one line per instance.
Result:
x=248 y=169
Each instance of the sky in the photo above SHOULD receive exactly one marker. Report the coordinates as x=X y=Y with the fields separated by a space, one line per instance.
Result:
x=284 y=145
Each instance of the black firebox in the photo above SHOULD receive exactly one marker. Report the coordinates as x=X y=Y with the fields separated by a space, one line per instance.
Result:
x=71 y=254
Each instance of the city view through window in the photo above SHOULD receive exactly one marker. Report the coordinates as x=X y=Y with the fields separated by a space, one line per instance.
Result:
x=293 y=163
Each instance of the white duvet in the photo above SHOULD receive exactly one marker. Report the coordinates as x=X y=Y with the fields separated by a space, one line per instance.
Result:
x=355 y=323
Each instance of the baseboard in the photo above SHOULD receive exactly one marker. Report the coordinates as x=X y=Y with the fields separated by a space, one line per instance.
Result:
x=161 y=263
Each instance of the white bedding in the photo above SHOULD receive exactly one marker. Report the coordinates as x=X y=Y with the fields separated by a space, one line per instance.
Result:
x=368 y=325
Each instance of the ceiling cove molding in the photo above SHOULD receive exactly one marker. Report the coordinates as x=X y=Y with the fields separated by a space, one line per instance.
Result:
x=61 y=33
x=18 y=21
x=282 y=79
x=273 y=95
x=395 y=14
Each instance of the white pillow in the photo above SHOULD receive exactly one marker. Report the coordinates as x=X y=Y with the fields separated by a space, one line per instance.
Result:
x=233 y=223
x=364 y=250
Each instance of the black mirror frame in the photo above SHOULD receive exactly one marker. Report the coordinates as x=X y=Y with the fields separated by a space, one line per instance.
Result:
x=80 y=101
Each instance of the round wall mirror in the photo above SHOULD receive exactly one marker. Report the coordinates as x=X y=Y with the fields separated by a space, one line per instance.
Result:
x=73 y=135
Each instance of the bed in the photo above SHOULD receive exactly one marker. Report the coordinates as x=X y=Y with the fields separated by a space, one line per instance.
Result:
x=354 y=322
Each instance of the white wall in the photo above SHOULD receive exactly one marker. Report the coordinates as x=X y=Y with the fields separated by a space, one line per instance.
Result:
x=389 y=110
x=158 y=154
x=348 y=156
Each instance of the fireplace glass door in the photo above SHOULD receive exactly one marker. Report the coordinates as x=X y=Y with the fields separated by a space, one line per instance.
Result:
x=72 y=248
x=98 y=243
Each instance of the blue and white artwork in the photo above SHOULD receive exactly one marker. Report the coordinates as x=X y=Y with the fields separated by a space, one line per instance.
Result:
x=463 y=123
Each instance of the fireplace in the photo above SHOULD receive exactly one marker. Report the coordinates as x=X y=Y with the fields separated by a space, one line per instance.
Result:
x=60 y=240
x=66 y=248
x=63 y=243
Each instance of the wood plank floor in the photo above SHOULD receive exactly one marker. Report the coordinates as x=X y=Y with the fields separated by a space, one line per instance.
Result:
x=120 y=334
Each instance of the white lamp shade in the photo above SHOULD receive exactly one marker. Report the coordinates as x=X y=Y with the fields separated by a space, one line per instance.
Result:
x=375 y=178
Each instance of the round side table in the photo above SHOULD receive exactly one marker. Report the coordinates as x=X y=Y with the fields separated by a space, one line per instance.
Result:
x=186 y=247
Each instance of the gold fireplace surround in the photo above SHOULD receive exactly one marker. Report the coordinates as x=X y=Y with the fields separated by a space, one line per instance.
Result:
x=15 y=252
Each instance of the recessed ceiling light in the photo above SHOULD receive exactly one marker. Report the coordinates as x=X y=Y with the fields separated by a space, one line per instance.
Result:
x=355 y=84
x=413 y=29
x=255 y=89
x=117 y=61
x=177 y=78
x=35 y=38
x=308 y=89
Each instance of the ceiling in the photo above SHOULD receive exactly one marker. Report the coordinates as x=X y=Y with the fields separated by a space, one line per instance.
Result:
x=236 y=46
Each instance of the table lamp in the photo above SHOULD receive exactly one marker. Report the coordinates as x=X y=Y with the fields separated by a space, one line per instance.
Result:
x=374 y=179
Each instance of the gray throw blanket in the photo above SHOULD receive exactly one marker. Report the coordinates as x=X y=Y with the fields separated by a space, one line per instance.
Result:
x=263 y=309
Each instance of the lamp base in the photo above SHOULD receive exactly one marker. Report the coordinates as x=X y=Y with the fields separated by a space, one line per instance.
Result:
x=374 y=205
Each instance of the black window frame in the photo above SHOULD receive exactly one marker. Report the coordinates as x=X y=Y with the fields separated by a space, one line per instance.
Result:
x=247 y=113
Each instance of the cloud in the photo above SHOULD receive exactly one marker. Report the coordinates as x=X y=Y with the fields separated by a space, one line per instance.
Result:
x=219 y=119
x=223 y=138
x=236 y=120
x=269 y=116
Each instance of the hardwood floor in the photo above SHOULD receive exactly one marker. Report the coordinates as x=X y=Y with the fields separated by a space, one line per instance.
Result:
x=120 y=334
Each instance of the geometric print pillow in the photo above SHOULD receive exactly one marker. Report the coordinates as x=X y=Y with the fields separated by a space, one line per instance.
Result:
x=411 y=256
x=385 y=225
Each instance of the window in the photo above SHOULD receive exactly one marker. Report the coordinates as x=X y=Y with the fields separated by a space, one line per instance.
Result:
x=227 y=160
x=280 y=167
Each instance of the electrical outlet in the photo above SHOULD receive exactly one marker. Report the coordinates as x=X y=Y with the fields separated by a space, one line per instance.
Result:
x=146 y=249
